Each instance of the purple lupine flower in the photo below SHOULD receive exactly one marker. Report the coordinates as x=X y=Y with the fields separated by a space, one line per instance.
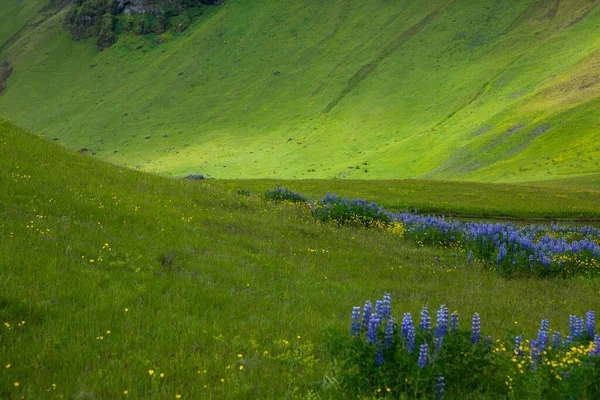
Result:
x=390 y=328
x=475 y=329
x=439 y=387
x=367 y=313
x=470 y=258
x=534 y=351
x=407 y=322
x=579 y=327
x=425 y=320
x=437 y=344
x=590 y=323
x=555 y=340
x=355 y=327
x=568 y=341
x=379 y=308
x=410 y=339
x=454 y=322
x=501 y=254
x=387 y=306
x=519 y=346
x=573 y=325
x=441 y=326
x=423 y=355
x=374 y=323
x=595 y=351
x=542 y=340
x=546 y=261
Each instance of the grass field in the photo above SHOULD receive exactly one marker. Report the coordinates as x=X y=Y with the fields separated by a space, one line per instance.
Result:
x=479 y=91
x=111 y=277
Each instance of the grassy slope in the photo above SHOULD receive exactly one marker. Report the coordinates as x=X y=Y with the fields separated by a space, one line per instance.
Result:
x=15 y=14
x=488 y=91
x=588 y=181
x=242 y=276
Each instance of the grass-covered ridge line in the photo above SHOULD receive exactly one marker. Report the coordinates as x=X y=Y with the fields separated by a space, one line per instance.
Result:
x=470 y=90
x=188 y=275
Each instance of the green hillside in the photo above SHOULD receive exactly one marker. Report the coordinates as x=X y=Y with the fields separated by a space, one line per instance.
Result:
x=110 y=277
x=471 y=90
x=15 y=15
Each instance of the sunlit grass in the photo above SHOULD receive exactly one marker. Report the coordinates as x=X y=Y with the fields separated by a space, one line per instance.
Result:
x=337 y=89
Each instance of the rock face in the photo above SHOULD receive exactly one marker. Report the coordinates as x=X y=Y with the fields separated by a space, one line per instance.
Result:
x=157 y=7
x=132 y=7
x=98 y=18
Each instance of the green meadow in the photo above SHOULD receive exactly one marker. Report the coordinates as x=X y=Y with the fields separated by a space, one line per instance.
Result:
x=461 y=90
x=120 y=278
x=112 y=277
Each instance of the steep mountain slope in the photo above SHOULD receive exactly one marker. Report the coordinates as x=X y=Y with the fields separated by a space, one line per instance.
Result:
x=486 y=90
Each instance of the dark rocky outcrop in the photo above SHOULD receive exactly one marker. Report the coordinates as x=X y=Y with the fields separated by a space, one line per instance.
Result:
x=85 y=18
x=103 y=18
x=107 y=36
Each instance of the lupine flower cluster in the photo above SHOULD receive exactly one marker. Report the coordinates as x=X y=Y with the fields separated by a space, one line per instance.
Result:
x=439 y=387
x=556 y=356
x=544 y=249
x=407 y=334
x=378 y=330
x=475 y=329
x=441 y=327
x=537 y=249
x=425 y=320
x=423 y=355
x=342 y=211
x=280 y=194
x=429 y=361
x=355 y=328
